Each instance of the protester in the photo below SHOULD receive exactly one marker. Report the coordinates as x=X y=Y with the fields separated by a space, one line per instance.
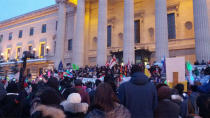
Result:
x=10 y=104
x=166 y=108
x=192 y=105
x=93 y=92
x=43 y=111
x=138 y=95
x=73 y=107
x=106 y=104
x=82 y=91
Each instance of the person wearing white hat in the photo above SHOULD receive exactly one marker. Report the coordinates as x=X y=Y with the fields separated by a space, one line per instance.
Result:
x=73 y=107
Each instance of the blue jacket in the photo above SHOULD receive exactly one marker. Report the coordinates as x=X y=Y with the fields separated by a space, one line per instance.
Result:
x=139 y=96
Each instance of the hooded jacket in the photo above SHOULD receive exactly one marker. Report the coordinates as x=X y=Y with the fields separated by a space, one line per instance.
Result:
x=139 y=96
x=47 y=112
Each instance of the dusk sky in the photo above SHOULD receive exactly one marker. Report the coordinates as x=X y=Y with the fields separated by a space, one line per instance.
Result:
x=12 y=8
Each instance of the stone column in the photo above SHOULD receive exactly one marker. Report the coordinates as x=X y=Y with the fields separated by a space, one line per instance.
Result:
x=78 y=41
x=128 y=44
x=202 y=37
x=161 y=29
x=61 y=31
x=102 y=33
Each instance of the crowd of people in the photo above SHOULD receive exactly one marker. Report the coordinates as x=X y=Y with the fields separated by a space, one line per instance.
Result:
x=66 y=96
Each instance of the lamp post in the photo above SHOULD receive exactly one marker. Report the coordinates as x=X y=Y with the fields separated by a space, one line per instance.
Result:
x=2 y=56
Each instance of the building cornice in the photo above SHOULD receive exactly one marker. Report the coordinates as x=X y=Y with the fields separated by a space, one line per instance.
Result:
x=29 y=16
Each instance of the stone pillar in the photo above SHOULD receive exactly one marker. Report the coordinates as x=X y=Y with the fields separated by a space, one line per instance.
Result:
x=161 y=30
x=102 y=33
x=202 y=37
x=78 y=41
x=61 y=31
x=128 y=44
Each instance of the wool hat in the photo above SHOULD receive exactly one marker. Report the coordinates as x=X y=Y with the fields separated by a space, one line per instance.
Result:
x=74 y=98
x=164 y=92
x=50 y=96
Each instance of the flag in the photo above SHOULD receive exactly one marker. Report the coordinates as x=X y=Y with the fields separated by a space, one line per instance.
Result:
x=107 y=64
x=75 y=67
x=101 y=78
x=147 y=73
x=60 y=67
x=68 y=74
x=112 y=62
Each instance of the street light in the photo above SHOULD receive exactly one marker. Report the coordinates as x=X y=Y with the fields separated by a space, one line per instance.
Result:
x=48 y=48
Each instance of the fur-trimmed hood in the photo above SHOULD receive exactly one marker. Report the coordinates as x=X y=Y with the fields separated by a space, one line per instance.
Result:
x=49 y=111
x=75 y=107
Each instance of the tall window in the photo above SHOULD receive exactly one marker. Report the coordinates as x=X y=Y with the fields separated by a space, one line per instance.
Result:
x=56 y=25
x=20 y=34
x=1 y=38
x=18 y=52
x=44 y=28
x=30 y=48
x=109 y=36
x=31 y=31
x=54 y=47
x=137 y=31
x=10 y=36
x=69 y=44
x=42 y=49
x=171 y=26
x=8 y=53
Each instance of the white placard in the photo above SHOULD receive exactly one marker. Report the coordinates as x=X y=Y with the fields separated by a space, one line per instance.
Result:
x=175 y=65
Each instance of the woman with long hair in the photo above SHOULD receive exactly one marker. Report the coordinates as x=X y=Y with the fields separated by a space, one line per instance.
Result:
x=106 y=104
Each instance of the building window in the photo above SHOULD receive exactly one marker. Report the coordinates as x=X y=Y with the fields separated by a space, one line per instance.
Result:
x=8 y=53
x=56 y=25
x=1 y=38
x=20 y=34
x=171 y=26
x=69 y=44
x=109 y=36
x=31 y=31
x=44 y=28
x=18 y=52
x=10 y=36
x=30 y=49
x=137 y=31
x=42 y=50
x=54 y=47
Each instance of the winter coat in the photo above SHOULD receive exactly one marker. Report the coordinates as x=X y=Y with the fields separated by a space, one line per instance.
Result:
x=205 y=88
x=10 y=105
x=203 y=102
x=47 y=111
x=118 y=112
x=167 y=109
x=75 y=110
x=139 y=96
x=192 y=103
x=2 y=91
